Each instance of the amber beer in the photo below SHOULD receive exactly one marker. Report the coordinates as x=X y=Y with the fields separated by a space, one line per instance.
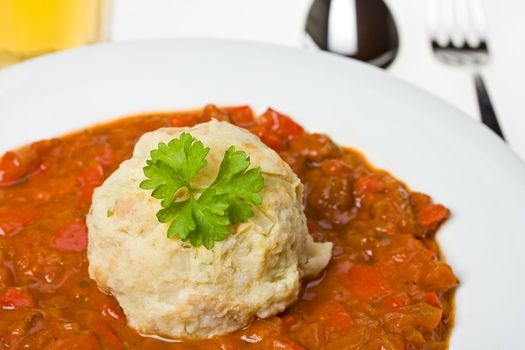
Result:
x=33 y=27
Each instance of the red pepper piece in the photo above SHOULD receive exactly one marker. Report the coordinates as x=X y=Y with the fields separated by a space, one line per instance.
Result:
x=71 y=238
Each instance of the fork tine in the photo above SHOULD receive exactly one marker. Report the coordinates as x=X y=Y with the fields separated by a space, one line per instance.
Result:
x=449 y=15
x=440 y=22
x=464 y=25
x=479 y=22
x=456 y=22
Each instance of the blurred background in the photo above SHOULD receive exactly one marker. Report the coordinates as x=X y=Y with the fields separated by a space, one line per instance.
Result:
x=438 y=45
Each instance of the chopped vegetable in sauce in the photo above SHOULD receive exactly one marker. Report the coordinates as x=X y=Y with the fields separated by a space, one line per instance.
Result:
x=385 y=288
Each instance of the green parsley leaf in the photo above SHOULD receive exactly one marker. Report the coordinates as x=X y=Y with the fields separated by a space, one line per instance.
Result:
x=240 y=186
x=172 y=166
x=204 y=216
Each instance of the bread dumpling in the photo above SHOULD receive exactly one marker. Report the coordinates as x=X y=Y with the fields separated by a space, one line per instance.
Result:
x=169 y=287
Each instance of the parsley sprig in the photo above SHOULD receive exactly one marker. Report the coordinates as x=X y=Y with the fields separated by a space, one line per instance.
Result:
x=203 y=215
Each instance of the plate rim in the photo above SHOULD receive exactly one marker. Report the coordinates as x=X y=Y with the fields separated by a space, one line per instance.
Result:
x=480 y=132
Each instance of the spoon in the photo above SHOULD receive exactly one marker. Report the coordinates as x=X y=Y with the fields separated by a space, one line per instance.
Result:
x=360 y=29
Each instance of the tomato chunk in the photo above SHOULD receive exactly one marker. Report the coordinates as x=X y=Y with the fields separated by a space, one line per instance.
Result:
x=15 y=166
x=312 y=335
x=108 y=338
x=241 y=116
x=433 y=215
x=79 y=342
x=14 y=219
x=183 y=119
x=72 y=238
x=15 y=297
x=274 y=128
x=283 y=125
x=267 y=137
x=397 y=300
x=89 y=179
x=372 y=183
x=433 y=299
x=285 y=344
x=335 y=317
x=366 y=282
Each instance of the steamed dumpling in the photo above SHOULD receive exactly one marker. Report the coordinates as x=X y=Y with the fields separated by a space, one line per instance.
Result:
x=168 y=287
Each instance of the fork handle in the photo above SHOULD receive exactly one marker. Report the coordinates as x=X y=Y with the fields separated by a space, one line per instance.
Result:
x=488 y=116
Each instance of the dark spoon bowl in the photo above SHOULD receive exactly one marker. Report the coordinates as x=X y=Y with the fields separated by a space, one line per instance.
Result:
x=373 y=25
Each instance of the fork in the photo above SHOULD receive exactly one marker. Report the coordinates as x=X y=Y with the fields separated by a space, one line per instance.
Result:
x=458 y=34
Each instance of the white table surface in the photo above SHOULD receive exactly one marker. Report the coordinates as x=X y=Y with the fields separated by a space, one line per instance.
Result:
x=282 y=22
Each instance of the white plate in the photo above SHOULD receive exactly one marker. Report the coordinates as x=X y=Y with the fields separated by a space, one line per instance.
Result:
x=421 y=140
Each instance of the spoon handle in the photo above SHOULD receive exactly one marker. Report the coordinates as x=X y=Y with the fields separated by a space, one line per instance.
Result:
x=488 y=116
